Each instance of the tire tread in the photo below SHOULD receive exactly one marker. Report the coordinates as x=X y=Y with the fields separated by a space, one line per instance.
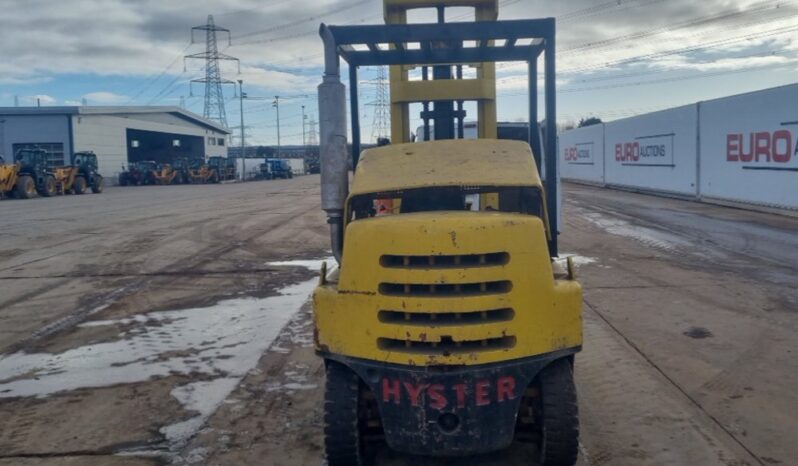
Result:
x=560 y=415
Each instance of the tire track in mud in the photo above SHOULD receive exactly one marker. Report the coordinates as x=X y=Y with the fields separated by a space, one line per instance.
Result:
x=616 y=397
x=97 y=303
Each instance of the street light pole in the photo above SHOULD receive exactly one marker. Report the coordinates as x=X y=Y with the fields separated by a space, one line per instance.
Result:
x=276 y=104
x=243 y=154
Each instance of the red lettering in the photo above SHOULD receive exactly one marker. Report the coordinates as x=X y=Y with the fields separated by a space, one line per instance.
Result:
x=415 y=392
x=762 y=145
x=780 y=156
x=733 y=147
x=750 y=155
x=436 y=398
x=618 y=152
x=482 y=388
x=505 y=389
x=391 y=389
x=460 y=389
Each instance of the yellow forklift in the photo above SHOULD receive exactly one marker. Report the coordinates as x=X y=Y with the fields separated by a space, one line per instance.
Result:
x=450 y=326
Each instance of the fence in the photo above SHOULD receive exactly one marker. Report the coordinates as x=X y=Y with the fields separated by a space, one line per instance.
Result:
x=742 y=148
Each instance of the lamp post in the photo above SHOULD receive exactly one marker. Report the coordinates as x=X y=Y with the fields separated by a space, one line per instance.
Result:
x=276 y=104
x=243 y=154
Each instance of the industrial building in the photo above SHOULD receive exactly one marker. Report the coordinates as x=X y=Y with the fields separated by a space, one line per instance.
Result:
x=118 y=135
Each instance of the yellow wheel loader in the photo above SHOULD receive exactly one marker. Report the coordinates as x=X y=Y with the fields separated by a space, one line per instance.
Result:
x=165 y=174
x=450 y=326
x=28 y=176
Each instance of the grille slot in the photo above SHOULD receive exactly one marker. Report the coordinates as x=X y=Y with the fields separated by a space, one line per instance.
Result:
x=445 y=262
x=446 y=347
x=448 y=289
x=430 y=319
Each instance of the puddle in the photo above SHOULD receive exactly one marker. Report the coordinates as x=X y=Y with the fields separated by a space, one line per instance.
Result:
x=698 y=333
x=647 y=236
x=225 y=340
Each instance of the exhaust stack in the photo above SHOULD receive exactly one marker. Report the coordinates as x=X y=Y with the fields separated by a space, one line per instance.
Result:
x=332 y=139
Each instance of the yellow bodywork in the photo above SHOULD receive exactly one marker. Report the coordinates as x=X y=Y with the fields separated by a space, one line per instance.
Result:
x=546 y=312
x=455 y=162
x=405 y=90
x=166 y=175
x=201 y=174
x=451 y=287
x=8 y=177
x=65 y=178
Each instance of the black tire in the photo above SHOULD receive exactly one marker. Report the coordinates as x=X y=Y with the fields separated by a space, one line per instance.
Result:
x=343 y=439
x=123 y=180
x=98 y=184
x=79 y=186
x=25 y=188
x=559 y=415
x=47 y=189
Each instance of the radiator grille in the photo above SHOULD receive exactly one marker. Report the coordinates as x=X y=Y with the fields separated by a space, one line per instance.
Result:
x=446 y=289
x=441 y=319
x=447 y=346
x=445 y=262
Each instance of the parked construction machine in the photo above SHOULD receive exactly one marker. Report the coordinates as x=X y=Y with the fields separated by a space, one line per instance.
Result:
x=81 y=176
x=138 y=173
x=280 y=169
x=164 y=174
x=224 y=166
x=450 y=326
x=28 y=176
x=201 y=173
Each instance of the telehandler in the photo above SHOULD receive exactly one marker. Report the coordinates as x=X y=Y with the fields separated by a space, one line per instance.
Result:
x=28 y=175
x=81 y=176
x=450 y=325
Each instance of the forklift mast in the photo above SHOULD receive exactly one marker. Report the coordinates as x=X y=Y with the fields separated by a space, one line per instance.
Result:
x=442 y=50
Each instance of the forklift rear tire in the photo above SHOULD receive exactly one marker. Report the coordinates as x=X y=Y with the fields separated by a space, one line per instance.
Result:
x=79 y=186
x=559 y=416
x=343 y=439
x=48 y=187
x=98 y=184
x=25 y=188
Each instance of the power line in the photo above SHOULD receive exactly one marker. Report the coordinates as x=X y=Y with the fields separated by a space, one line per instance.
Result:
x=289 y=25
x=152 y=81
x=701 y=21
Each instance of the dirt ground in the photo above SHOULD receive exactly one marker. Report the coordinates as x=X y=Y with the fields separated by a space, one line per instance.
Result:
x=170 y=325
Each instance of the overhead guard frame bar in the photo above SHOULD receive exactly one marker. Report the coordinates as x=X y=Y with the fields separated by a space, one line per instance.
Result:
x=340 y=42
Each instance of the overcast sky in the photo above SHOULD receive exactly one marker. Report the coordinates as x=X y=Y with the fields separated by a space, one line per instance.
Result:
x=615 y=57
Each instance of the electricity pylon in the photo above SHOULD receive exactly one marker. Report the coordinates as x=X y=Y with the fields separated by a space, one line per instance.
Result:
x=214 y=98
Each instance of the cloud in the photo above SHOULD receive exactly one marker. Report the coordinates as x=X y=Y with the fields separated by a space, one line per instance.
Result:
x=143 y=41
x=105 y=98
x=42 y=99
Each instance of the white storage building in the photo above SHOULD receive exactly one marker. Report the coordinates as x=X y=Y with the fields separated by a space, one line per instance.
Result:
x=118 y=135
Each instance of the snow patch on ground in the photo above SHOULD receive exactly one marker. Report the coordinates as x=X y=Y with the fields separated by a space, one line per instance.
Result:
x=224 y=341
x=201 y=397
x=577 y=259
